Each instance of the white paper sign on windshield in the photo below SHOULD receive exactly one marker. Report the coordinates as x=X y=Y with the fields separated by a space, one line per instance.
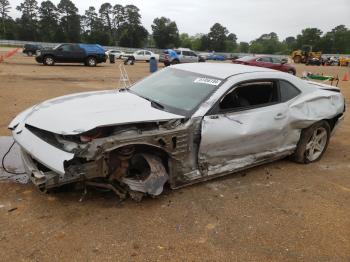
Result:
x=208 y=81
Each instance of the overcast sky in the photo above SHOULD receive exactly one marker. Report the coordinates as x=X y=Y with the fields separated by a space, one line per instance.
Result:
x=248 y=19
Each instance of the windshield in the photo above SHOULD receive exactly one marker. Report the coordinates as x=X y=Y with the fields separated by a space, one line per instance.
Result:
x=176 y=91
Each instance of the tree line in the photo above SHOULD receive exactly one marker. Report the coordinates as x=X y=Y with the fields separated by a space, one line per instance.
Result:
x=121 y=25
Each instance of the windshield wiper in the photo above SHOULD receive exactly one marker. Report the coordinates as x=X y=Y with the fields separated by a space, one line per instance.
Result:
x=156 y=104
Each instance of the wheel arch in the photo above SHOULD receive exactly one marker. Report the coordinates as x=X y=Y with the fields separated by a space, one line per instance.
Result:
x=332 y=121
x=152 y=149
x=49 y=55
x=91 y=55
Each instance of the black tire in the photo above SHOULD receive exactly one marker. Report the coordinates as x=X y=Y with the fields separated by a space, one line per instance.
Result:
x=91 y=61
x=292 y=72
x=175 y=62
x=306 y=144
x=49 y=60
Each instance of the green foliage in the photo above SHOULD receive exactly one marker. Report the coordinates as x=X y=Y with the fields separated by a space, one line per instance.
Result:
x=243 y=47
x=48 y=22
x=217 y=37
x=70 y=21
x=27 y=24
x=186 y=41
x=131 y=31
x=337 y=40
x=196 y=41
x=93 y=28
x=266 y=44
x=165 y=33
x=4 y=10
x=309 y=36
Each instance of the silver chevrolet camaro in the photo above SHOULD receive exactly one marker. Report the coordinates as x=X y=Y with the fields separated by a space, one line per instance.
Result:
x=184 y=124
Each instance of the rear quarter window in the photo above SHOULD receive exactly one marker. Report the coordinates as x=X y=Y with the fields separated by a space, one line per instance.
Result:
x=288 y=91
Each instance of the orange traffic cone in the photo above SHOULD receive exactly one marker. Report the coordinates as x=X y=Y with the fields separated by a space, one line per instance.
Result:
x=346 y=77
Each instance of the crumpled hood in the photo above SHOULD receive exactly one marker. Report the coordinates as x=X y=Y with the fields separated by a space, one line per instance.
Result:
x=74 y=114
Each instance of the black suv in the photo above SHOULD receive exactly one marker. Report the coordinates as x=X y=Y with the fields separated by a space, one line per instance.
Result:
x=88 y=54
x=30 y=49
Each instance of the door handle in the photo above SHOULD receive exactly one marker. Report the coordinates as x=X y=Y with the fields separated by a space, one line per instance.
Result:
x=214 y=117
x=280 y=116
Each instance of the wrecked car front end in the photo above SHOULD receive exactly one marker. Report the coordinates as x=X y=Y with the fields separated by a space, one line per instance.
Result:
x=112 y=139
x=130 y=159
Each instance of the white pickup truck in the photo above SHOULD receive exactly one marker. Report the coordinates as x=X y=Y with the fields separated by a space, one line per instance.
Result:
x=141 y=55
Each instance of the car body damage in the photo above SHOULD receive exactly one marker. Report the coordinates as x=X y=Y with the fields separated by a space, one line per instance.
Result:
x=133 y=143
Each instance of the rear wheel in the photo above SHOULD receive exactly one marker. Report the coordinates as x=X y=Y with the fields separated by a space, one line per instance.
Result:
x=91 y=61
x=175 y=62
x=313 y=143
x=49 y=61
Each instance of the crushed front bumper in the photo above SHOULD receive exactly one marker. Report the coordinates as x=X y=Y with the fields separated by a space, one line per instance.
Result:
x=43 y=163
x=45 y=178
x=41 y=179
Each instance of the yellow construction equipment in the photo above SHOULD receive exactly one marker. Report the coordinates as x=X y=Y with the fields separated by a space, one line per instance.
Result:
x=304 y=54
x=344 y=61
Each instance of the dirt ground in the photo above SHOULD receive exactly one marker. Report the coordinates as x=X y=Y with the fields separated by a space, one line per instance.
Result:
x=277 y=212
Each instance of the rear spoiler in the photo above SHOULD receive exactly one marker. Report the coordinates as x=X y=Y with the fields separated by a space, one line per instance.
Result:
x=324 y=86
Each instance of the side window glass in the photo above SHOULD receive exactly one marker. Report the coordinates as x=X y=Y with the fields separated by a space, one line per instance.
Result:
x=75 y=48
x=276 y=60
x=148 y=53
x=288 y=91
x=250 y=95
x=265 y=59
x=140 y=53
x=65 y=48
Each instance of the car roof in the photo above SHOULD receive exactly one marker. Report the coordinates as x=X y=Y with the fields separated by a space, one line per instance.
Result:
x=220 y=70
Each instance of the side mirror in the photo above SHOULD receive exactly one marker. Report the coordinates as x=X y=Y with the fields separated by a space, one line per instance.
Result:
x=60 y=49
x=284 y=61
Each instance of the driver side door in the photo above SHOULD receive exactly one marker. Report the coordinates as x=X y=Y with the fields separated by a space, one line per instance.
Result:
x=248 y=125
x=65 y=53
